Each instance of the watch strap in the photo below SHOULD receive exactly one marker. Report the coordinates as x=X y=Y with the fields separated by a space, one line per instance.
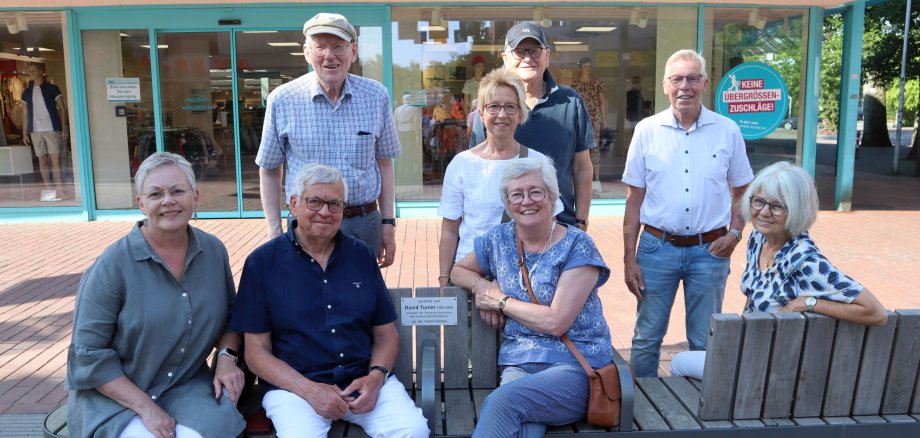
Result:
x=227 y=351
x=382 y=369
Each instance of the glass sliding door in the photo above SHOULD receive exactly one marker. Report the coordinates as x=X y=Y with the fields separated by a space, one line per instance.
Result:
x=196 y=90
x=267 y=59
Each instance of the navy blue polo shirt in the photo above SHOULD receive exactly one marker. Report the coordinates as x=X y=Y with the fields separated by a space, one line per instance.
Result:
x=321 y=322
x=558 y=126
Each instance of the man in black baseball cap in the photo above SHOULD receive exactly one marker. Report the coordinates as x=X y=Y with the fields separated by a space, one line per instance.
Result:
x=558 y=125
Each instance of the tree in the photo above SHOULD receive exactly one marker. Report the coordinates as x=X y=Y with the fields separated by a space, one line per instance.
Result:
x=831 y=56
x=882 y=44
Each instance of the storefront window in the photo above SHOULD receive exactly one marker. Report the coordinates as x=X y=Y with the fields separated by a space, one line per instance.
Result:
x=775 y=37
x=36 y=169
x=120 y=126
x=440 y=53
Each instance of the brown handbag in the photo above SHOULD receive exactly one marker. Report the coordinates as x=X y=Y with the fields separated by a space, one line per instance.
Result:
x=604 y=383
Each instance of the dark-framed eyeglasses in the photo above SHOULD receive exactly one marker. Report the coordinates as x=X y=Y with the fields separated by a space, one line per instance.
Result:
x=321 y=49
x=316 y=204
x=535 y=194
x=693 y=79
x=510 y=108
x=533 y=52
x=174 y=193
x=776 y=209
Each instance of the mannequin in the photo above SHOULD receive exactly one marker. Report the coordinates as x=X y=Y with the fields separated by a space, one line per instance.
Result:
x=592 y=91
x=471 y=86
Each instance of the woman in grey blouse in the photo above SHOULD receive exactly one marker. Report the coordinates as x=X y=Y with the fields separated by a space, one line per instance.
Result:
x=149 y=312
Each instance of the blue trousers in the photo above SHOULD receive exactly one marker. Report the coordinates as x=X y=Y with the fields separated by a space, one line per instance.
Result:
x=532 y=396
x=663 y=267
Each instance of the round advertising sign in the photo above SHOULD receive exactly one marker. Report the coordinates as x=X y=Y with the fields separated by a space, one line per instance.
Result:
x=755 y=96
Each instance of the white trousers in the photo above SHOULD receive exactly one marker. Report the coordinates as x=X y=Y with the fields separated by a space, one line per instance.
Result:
x=394 y=416
x=136 y=429
x=689 y=364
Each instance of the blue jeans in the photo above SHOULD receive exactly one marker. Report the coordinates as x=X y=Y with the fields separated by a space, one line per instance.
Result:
x=531 y=396
x=663 y=267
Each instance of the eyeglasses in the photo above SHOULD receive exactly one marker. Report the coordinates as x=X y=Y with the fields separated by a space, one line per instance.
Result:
x=321 y=49
x=534 y=52
x=510 y=109
x=693 y=79
x=316 y=204
x=535 y=195
x=174 y=193
x=758 y=204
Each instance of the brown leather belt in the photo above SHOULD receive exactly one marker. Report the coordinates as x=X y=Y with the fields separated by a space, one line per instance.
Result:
x=691 y=240
x=359 y=210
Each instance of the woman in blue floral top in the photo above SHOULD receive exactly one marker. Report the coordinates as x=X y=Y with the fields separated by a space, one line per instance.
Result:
x=785 y=270
x=542 y=383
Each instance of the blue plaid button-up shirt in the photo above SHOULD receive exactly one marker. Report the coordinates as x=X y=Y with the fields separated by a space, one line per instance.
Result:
x=302 y=126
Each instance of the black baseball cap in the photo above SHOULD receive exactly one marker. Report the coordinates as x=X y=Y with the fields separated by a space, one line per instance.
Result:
x=522 y=31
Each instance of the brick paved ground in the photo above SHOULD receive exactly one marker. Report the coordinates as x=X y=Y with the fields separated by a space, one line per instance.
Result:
x=40 y=266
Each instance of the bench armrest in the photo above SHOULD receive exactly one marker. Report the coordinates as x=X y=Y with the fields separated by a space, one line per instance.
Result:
x=428 y=381
x=628 y=390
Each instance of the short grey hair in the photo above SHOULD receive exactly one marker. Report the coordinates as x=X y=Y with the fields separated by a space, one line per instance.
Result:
x=523 y=166
x=685 y=55
x=502 y=77
x=315 y=173
x=793 y=187
x=161 y=159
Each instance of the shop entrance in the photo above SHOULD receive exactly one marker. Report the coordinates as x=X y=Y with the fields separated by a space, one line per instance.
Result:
x=198 y=93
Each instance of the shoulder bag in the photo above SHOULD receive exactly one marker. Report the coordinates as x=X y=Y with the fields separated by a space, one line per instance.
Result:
x=605 y=396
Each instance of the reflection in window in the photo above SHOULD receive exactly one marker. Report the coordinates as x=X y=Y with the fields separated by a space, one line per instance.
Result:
x=37 y=169
x=612 y=55
x=775 y=37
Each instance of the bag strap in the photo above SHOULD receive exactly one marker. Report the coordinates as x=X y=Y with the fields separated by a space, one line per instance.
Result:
x=565 y=337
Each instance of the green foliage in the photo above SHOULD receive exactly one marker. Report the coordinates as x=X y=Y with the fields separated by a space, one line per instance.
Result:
x=831 y=58
x=911 y=98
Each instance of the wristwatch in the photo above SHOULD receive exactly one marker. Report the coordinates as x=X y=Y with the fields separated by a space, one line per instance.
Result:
x=391 y=221
x=503 y=303
x=735 y=232
x=229 y=352
x=384 y=370
x=810 y=304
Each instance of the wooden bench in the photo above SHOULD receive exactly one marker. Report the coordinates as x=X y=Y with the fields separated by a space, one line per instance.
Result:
x=448 y=370
x=795 y=375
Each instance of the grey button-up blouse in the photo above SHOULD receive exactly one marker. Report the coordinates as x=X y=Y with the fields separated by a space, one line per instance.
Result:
x=134 y=318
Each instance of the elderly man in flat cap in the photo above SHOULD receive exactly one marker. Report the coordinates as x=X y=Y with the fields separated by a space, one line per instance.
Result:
x=331 y=117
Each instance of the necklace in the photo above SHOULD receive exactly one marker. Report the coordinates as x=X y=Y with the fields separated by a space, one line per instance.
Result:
x=539 y=259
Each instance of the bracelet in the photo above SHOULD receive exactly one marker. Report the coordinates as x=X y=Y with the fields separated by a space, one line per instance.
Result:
x=474 y=284
x=581 y=222
x=443 y=276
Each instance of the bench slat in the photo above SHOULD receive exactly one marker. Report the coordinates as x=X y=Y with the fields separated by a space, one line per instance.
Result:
x=355 y=431
x=752 y=371
x=784 y=364
x=748 y=424
x=808 y=421
x=459 y=404
x=816 y=354
x=905 y=357
x=869 y=419
x=457 y=337
x=874 y=367
x=484 y=354
x=690 y=397
x=838 y=420
x=403 y=366
x=672 y=411
x=429 y=332
x=56 y=421
x=646 y=417
x=844 y=368
x=899 y=418
x=721 y=366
